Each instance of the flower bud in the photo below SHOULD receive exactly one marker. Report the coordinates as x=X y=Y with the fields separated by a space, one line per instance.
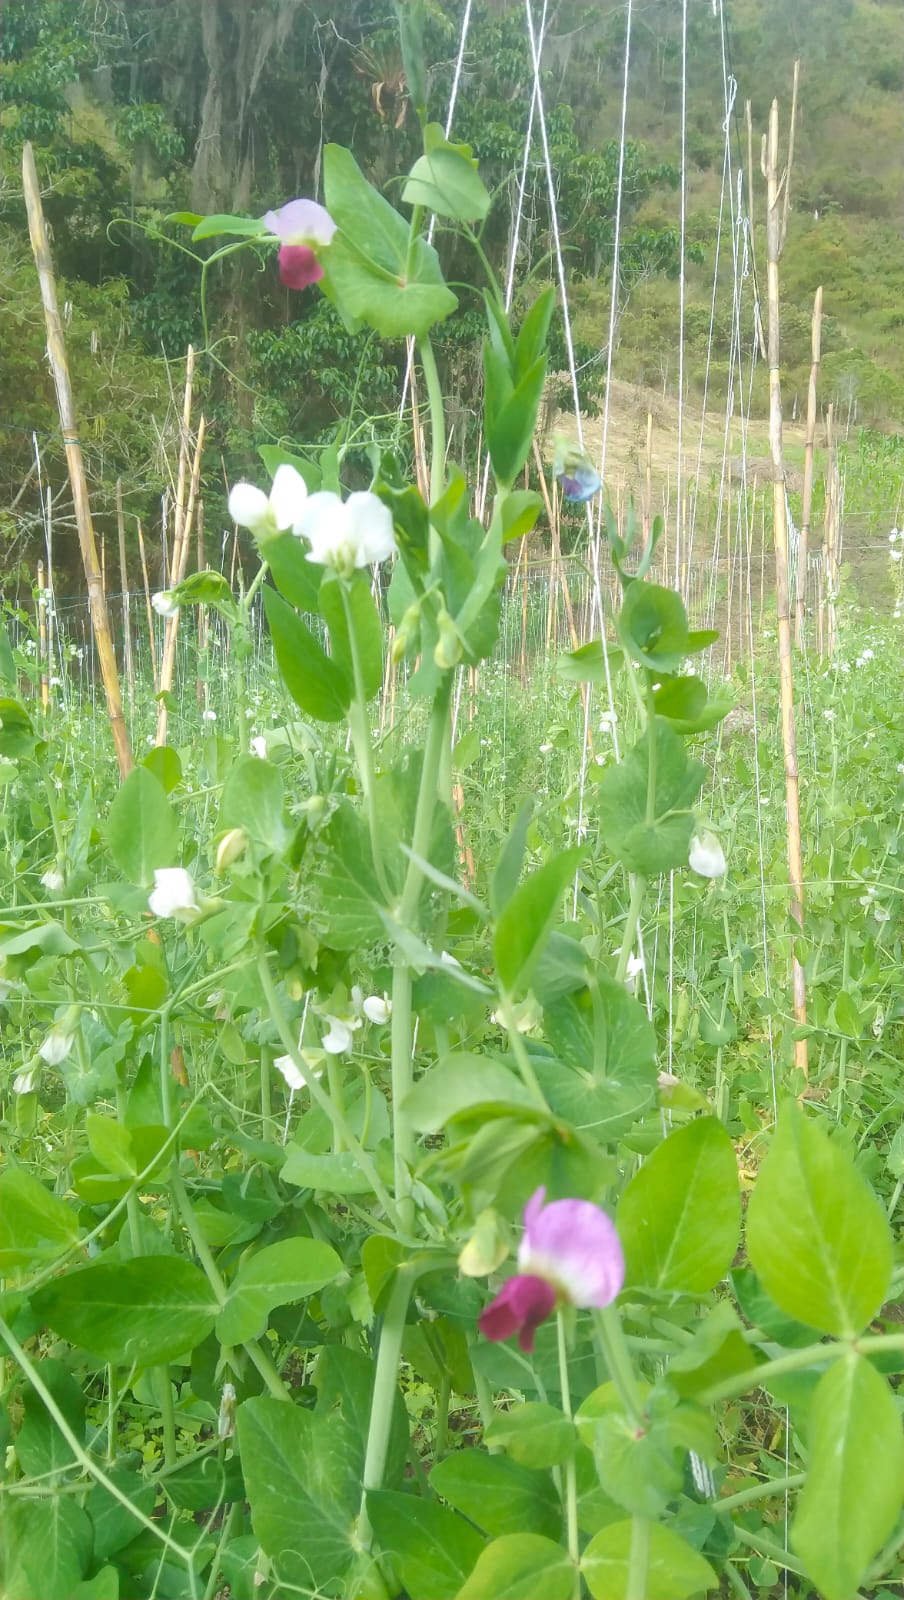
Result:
x=407 y=632
x=706 y=855
x=448 y=651
x=487 y=1247
x=232 y=845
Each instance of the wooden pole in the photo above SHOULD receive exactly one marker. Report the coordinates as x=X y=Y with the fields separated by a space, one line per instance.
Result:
x=776 y=215
x=127 y=661
x=803 y=550
x=149 y=607
x=56 y=350
x=181 y=542
x=830 y=538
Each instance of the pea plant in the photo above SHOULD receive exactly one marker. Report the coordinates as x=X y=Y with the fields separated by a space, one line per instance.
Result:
x=353 y=1241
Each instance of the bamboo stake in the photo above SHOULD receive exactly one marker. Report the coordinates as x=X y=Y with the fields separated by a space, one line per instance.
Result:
x=775 y=239
x=807 y=502
x=56 y=350
x=147 y=601
x=42 y=639
x=181 y=543
x=830 y=538
x=128 y=663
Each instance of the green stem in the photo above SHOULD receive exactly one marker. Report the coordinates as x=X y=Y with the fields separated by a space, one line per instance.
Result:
x=519 y=1051
x=323 y=1100
x=760 y=1491
x=441 y=1432
x=639 y=1559
x=437 y=420
x=635 y=905
x=256 y=581
x=615 y=1352
x=384 y=1396
x=359 y=727
x=571 y=1482
x=267 y=1127
x=811 y=1355
x=337 y=1095
x=764 y=1546
x=404 y=1151
x=437 y=736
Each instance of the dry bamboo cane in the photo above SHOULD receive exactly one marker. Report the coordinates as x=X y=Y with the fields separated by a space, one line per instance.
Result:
x=42 y=640
x=56 y=350
x=147 y=601
x=807 y=502
x=775 y=239
x=127 y=661
x=830 y=538
x=181 y=544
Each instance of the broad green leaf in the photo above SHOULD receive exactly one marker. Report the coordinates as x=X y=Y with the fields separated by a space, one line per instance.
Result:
x=685 y=703
x=679 y=1219
x=347 y=881
x=17 y=735
x=278 y=1275
x=44 y=1549
x=164 y=763
x=40 y=1446
x=432 y=1548
x=816 y=1234
x=511 y=859
x=35 y=1225
x=114 y=1526
x=639 y=845
x=297 y=579
x=851 y=1501
x=303 y=1479
x=510 y=427
x=521 y=1566
x=674 y=1570
x=369 y=271
x=526 y=920
x=149 y=1310
x=637 y=1468
x=39 y=939
x=8 y=674
x=103 y=1586
x=120 y=1150
x=587 y=664
x=253 y=800
x=337 y=1174
x=497 y=1494
x=142 y=830
x=652 y=626
x=222 y=223
x=368 y=629
x=520 y=511
x=273 y=456
x=204 y=1481
x=315 y=682
x=205 y=589
x=459 y=1084
x=445 y=180
x=846 y=1016
x=534 y=1434
x=533 y=332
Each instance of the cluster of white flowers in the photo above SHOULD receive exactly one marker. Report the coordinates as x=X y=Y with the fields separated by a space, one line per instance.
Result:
x=338 y=1038
x=343 y=534
x=863 y=658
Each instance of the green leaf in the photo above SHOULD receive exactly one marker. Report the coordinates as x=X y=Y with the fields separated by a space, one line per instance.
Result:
x=368 y=628
x=40 y=939
x=297 y=579
x=459 y=1084
x=205 y=589
x=652 y=626
x=521 y=1567
x=432 y=1548
x=336 y=1174
x=278 y=1275
x=639 y=845
x=368 y=270
x=497 y=1494
x=274 y=456
x=679 y=1219
x=221 y=222
x=40 y=1446
x=520 y=511
x=317 y=685
x=302 y=1475
x=45 y=1548
x=17 y=735
x=816 y=1234
x=253 y=800
x=587 y=664
x=142 y=830
x=848 y=1508
x=114 y=1526
x=103 y=1586
x=674 y=1570
x=534 y=1435
x=510 y=425
x=204 y=1481
x=445 y=180
x=685 y=703
x=511 y=858
x=525 y=922
x=8 y=673
x=35 y=1225
x=846 y=1016
x=164 y=763
x=123 y=1151
x=149 y=1310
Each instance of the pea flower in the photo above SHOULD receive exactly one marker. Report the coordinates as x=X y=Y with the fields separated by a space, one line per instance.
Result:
x=53 y=880
x=59 y=1041
x=259 y=747
x=295 y=1077
x=707 y=856
x=577 y=476
x=174 y=895
x=569 y=1253
x=339 y=1035
x=267 y=515
x=301 y=227
x=164 y=604
x=377 y=1009
x=345 y=534
x=26 y=1081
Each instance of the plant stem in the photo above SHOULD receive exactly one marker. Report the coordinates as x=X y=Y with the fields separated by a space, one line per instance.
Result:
x=359 y=727
x=267 y=1128
x=638 y=885
x=404 y=1143
x=639 y=1559
x=765 y=1546
x=519 y=1051
x=760 y=1491
x=437 y=420
x=384 y=1395
x=290 y=1045
x=571 y=1482
x=441 y=1433
x=621 y=1370
x=796 y=1361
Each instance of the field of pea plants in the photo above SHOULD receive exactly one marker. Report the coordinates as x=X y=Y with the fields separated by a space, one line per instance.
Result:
x=446 y=1151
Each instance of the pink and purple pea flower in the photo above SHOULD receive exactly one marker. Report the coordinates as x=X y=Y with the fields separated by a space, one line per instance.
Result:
x=569 y=1254
x=302 y=227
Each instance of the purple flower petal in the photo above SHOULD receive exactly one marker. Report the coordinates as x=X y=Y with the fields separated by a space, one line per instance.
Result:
x=581 y=484
x=298 y=266
x=573 y=1245
x=301 y=222
x=519 y=1307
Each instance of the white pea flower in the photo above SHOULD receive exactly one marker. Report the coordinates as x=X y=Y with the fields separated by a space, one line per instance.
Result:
x=377 y=1009
x=174 y=895
x=56 y=1046
x=896 y=555
x=226 y=1418
x=829 y=716
x=268 y=515
x=894 y=536
x=881 y=915
x=164 y=604
x=545 y=749
x=53 y=880
x=707 y=856
x=26 y=1081
x=339 y=1035
x=259 y=747
x=297 y=1077
x=208 y=716
x=608 y=719
x=634 y=969
x=345 y=534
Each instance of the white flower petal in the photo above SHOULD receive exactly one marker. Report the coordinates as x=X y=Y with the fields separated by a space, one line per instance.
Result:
x=164 y=604
x=293 y=1075
x=248 y=506
x=322 y=523
x=369 y=528
x=174 y=895
x=338 y=1037
x=27 y=1081
x=259 y=747
x=377 y=1009
x=56 y=1047
x=288 y=496
x=707 y=856
x=53 y=880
